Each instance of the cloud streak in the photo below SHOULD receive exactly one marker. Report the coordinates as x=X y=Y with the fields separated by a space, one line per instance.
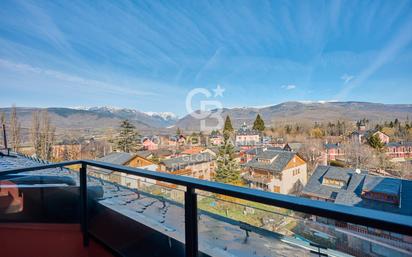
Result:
x=387 y=54
x=346 y=78
x=163 y=49
x=90 y=83
x=289 y=87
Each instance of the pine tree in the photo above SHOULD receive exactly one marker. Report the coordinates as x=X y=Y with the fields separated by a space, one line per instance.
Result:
x=259 y=124
x=178 y=132
x=375 y=142
x=228 y=170
x=128 y=137
x=228 y=125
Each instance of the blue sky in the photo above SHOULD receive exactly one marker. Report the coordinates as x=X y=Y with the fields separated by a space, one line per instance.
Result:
x=148 y=55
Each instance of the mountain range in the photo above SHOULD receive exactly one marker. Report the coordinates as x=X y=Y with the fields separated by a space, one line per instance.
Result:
x=307 y=112
x=100 y=118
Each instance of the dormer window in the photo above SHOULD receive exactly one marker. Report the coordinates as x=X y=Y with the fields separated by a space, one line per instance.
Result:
x=381 y=189
x=265 y=161
x=334 y=182
x=382 y=197
x=336 y=178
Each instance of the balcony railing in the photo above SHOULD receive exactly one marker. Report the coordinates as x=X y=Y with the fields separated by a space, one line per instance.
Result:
x=366 y=217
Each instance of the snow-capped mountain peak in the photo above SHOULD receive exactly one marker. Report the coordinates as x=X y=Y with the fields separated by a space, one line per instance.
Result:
x=163 y=115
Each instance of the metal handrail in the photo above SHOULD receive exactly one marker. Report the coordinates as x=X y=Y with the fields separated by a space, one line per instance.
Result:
x=362 y=216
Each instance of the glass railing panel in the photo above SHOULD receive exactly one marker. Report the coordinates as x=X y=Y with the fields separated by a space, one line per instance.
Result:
x=136 y=214
x=233 y=227
x=50 y=195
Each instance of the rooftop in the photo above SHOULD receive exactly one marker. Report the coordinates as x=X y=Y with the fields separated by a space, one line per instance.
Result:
x=258 y=150
x=279 y=160
x=184 y=161
x=117 y=158
x=399 y=144
x=244 y=130
x=332 y=146
x=357 y=183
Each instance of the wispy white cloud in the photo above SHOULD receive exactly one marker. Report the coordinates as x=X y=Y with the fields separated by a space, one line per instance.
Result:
x=346 y=78
x=289 y=87
x=90 y=83
x=387 y=54
x=136 y=47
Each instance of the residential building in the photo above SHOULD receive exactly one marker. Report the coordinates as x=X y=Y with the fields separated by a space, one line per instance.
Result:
x=382 y=136
x=145 y=154
x=251 y=153
x=201 y=166
x=164 y=153
x=276 y=171
x=150 y=143
x=354 y=187
x=361 y=136
x=193 y=150
x=402 y=150
x=181 y=140
x=333 y=151
x=293 y=147
x=126 y=159
x=247 y=137
x=216 y=140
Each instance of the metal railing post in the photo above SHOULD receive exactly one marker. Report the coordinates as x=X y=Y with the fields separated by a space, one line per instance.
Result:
x=191 y=233
x=83 y=203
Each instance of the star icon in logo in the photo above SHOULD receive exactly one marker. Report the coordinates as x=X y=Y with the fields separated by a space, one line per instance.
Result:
x=219 y=91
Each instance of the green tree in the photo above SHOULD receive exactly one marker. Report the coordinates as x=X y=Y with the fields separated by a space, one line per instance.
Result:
x=228 y=170
x=128 y=137
x=178 y=132
x=228 y=125
x=215 y=132
x=375 y=142
x=259 y=124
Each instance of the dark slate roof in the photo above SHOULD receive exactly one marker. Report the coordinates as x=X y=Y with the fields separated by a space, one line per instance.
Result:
x=18 y=161
x=247 y=132
x=257 y=150
x=183 y=161
x=366 y=133
x=337 y=174
x=119 y=158
x=144 y=154
x=358 y=182
x=282 y=158
x=389 y=186
x=244 y=130
x=163 y=152
x=332 y=146
x=21 y=161
x=399 y=144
